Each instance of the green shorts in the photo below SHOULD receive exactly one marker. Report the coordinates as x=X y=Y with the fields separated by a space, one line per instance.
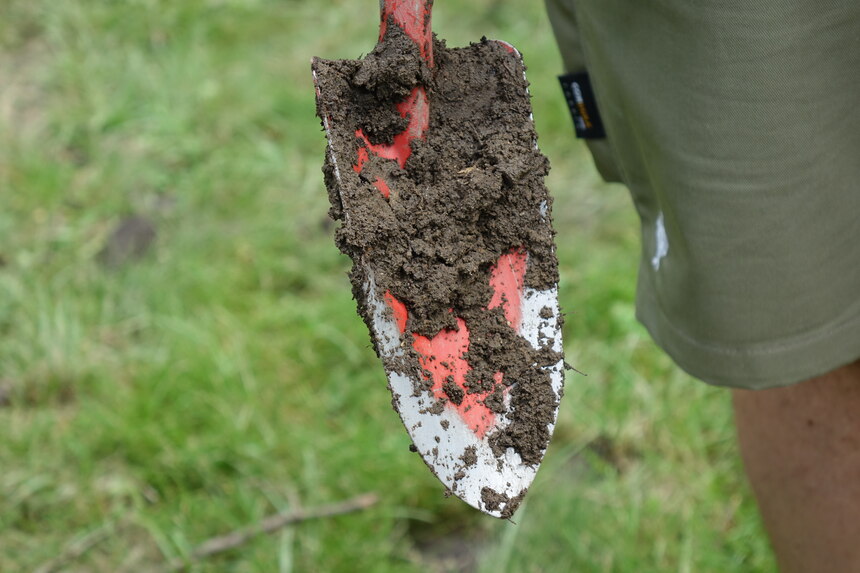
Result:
x=736 y=127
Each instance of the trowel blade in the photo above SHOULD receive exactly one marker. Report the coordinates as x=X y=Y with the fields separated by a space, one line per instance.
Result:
x=456 y=440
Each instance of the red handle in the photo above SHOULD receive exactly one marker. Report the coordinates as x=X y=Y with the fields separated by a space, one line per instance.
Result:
x=413 y=17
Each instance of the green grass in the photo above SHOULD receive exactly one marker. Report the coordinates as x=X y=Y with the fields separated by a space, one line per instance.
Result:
x=225 y=375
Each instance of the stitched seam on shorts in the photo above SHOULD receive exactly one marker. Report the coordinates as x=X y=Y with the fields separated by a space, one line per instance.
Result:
x=831 y=328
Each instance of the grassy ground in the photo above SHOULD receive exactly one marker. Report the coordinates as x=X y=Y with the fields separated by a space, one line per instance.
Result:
x=224 y=375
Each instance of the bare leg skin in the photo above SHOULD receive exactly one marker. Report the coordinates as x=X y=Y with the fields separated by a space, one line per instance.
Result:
x=801 y=449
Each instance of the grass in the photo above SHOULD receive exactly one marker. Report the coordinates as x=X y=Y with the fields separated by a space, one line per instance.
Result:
x=225 y=375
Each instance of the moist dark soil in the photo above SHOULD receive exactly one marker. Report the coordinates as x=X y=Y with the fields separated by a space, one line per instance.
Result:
x=130 y=239
x=472 y=190
x=493 y=501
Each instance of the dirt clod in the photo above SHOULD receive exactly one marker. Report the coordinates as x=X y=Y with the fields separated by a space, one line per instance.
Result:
x=454 y=392
x=494 y=500
x=470 y=456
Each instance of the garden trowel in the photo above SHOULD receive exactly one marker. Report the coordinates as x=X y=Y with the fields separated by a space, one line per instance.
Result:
x=479 y=392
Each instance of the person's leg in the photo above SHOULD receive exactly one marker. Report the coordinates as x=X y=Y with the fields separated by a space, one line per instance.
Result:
x=801 y=448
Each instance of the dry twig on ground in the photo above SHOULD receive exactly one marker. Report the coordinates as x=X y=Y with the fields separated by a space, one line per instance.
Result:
x=270 y=524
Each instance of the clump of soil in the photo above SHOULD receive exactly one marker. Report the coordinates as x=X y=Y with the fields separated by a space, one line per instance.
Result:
x=493 y=500
x=471 y=190
x=470 y=456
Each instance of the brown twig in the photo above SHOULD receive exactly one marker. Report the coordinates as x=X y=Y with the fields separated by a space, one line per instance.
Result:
x=270 y=524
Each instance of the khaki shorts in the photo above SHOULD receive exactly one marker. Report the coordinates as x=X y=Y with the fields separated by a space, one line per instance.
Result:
x=736 y=127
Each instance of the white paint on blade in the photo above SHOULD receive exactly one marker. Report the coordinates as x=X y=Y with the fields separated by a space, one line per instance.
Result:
x=544 y=208
x=536 y=329
x=540 y=331
x=443 y=449
x=385 y=330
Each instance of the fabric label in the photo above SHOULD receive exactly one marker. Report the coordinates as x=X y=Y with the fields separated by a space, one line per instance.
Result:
x=583 y=106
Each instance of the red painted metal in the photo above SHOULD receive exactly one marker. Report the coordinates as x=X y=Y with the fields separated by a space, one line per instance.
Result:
x=507 y=284
x=413 y=17
x=416 y=108
x=383 y=187
x=442 y=354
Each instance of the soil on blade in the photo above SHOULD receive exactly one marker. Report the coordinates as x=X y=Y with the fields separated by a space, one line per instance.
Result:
x=471 y=190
